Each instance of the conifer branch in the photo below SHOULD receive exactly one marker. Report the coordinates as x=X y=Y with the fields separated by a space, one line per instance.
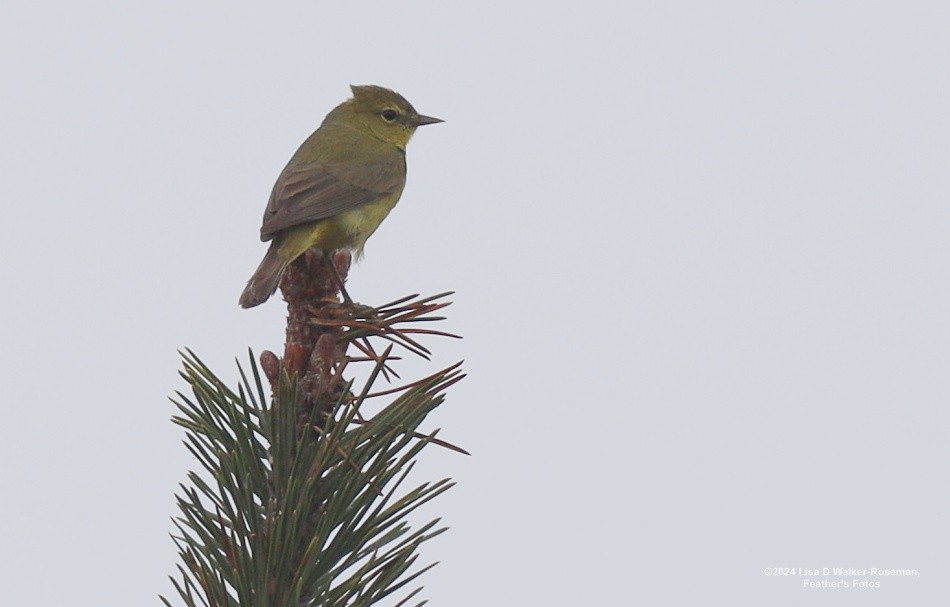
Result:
x=299 y=496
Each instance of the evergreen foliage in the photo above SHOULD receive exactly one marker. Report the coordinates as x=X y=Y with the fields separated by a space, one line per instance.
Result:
x=301 y=499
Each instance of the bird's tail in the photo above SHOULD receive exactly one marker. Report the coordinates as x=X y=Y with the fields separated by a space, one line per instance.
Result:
x=265 y=279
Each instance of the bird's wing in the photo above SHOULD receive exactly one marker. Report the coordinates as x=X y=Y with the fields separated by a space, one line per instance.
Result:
x=309 y=191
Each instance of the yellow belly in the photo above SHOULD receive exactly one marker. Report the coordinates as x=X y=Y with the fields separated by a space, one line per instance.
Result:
x=348 y=230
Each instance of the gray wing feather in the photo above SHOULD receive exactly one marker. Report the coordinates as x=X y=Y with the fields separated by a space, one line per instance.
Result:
x=310 y=192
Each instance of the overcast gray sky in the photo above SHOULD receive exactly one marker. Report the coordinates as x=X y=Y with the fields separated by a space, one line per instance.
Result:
x=700 y=253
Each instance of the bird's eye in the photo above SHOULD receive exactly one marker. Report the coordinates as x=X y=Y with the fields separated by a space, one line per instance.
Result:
x=388 y=115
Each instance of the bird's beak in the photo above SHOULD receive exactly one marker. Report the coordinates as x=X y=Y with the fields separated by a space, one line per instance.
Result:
x=421 y=120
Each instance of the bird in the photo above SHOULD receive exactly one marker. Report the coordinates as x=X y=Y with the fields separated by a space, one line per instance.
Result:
x=339 y=185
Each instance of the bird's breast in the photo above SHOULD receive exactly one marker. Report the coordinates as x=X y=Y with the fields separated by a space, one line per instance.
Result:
x=360 y=223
